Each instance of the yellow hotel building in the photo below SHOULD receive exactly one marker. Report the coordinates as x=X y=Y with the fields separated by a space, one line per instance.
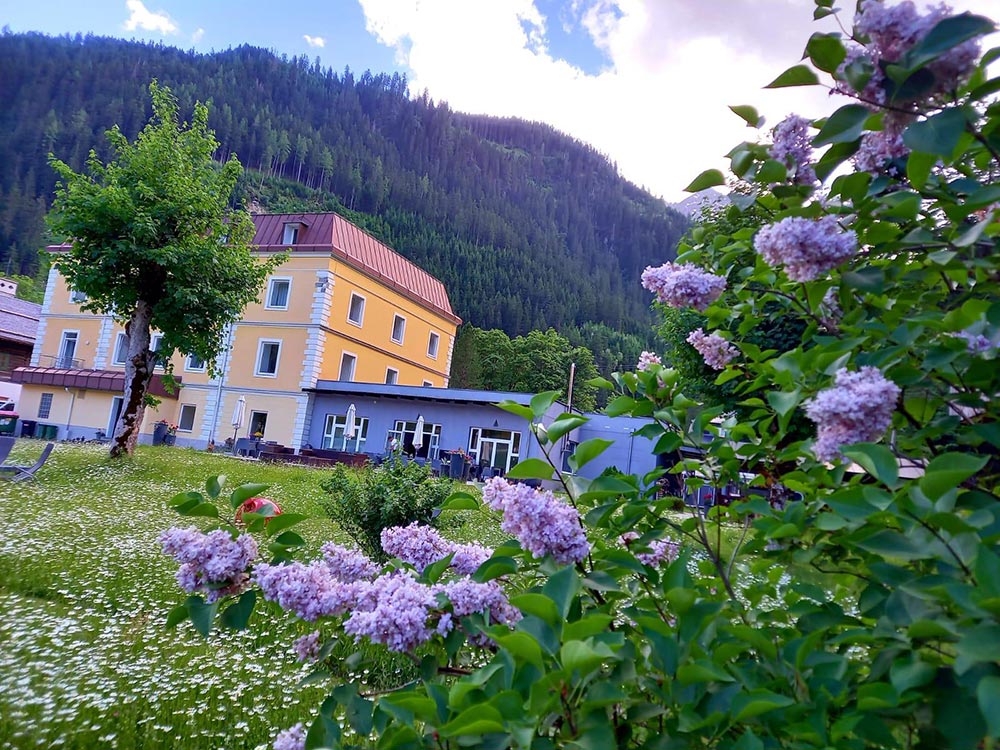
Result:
x=343 y=306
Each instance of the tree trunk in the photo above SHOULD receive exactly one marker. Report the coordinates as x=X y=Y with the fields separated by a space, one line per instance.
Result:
x=139 y=365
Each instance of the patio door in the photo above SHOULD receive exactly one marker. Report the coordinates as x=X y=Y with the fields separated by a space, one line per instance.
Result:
x=500 y=449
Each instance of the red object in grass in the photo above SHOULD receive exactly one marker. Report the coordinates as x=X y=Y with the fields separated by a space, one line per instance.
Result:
x=263 y=505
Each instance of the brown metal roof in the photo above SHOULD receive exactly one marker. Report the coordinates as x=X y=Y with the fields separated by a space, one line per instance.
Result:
x=93 y=380
x=358 y=248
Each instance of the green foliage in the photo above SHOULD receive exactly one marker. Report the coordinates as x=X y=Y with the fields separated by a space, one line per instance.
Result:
x=365 y=501
x=851 y=598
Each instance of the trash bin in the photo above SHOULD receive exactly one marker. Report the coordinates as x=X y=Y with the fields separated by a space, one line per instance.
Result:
x=159 y=433
x=8 y=424
x=50 y=432
x=28 y=427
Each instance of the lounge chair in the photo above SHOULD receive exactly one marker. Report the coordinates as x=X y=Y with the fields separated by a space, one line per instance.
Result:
x=21 y=473
x=6 y=445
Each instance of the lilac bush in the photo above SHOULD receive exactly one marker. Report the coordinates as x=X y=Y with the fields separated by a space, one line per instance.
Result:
x=858 y=408
x=806 y=248
x=214 y=564
x=683 y=285
x=792 y=146
x=716 y=351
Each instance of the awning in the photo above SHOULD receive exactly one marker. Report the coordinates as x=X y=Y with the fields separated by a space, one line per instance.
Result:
x=91 y=380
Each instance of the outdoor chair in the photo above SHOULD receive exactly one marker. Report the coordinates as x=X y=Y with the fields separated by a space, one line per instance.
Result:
x=6 y=445
x=21 y=473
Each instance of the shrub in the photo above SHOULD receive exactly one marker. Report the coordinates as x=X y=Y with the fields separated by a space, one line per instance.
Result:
x=365 y=501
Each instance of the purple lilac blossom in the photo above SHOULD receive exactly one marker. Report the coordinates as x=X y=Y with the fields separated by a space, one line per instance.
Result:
x=976 y=343
x=807 y=248
x=683 y=285
x=468 y=597
x=310 y=591
x=647 y=360
x=468 y=558
x=348 y=564
x=307 y=647
x=829 y=309
x=714 y=349
x=858 y=408
x=659 y=549
x=882 y=147
x=393 y=610
x=542 y=523
x=792 y=147
x=214 y=564
x=415 y=544
x=293 y=738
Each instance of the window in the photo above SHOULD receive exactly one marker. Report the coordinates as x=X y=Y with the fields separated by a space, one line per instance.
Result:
x=194 y=363
x=67 y=350
x=277 y=294
x=45 y=405
x=499 y=449
x=77 y=296
x=405 y=432
x=335 y=433
x=185 y=421
x=267 y=358
x=121 y=349
x=432 y=345
x=258 y=423
x=155 y=342
x=398 y=329
x=291 y=235
x=347 y=363
x=391 y=375
x=356 y=312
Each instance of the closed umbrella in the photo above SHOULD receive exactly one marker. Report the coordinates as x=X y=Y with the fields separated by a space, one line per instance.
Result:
x=351 y=429
x=238 y=413
x=418 y=439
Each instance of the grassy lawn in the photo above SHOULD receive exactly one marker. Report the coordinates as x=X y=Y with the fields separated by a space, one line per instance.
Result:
x=85 y=589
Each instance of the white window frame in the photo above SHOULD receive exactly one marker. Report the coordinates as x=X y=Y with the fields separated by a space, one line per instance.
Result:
x=62 y=346
x=290 y=233
x=270 y=291
x=253 y=417
x=395 y=376
x=334 y=434
x=350 y=305
x=261 y=343
x=436 y=338
x=45 y=405
x=188 y=367
x=354 y=367
x=405 y=432
x=121 y=343
x=77 y=297
x=180 y=417
x=154 y=346
x=402 y=329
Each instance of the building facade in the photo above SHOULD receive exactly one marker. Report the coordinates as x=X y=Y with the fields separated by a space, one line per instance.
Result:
x=343 y=307
x=18 y=329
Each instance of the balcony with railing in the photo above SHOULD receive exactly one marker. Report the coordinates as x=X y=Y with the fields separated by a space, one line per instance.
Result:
x=62 y=362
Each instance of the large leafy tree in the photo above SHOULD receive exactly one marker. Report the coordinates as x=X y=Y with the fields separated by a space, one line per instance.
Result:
x=155 y=241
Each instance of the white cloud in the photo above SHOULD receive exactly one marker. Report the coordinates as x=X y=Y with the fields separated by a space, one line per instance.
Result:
x=660 y=106
x=145 y=19
x=314 y=41
x=197 y=35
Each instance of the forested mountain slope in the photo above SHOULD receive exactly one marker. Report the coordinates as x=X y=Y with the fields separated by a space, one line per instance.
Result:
x=527 y=227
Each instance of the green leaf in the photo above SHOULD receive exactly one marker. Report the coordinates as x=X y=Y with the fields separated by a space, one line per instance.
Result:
x=797 y=75
x=947 y=471
x=190 y=499
x=213 y=485
x=531 y=468
x=436 y=569
x=522 y=646
x=866 y=280
x=877 y=460
x=244 y=492
x=578 y=655
x=893 y=545
x=237 y=615
x=756 y=702
x=708 y=178
x=460 y=501
x=587 y=451
x=207 y=510
x=563 y=424
x=202 y=614
x=988 y=695
x=177 y=615
x=284 y=521
x=937 y=135
x=783 y=402
x=519 y=409
x=843 y=126
x=826 y=51
x=918 y=168
x=748 y=114
x=771 y=171
x=946 y=34
x=561 y=587
x=494 y=568
x=475 y=720
x=876 y=696
x=542 y=402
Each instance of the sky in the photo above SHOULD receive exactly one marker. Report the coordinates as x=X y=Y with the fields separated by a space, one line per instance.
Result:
x=646 y=82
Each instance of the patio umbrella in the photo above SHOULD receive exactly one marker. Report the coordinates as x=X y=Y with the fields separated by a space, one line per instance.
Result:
x=418 y=438
x=350 y=429
x=238 y=413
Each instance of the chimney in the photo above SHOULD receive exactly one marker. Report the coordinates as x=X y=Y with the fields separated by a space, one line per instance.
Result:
x=8 y=286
